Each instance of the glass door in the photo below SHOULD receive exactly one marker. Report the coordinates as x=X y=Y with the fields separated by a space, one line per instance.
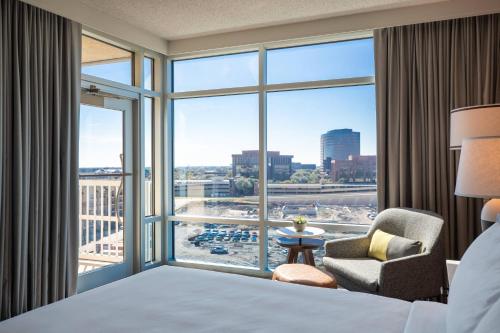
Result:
x=105 y=187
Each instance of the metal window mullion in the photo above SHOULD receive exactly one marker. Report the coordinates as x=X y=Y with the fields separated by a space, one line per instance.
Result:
x=152 y=185
x=139 y=130
x=214 y=92
x=333 y=83
x=168 y=169
x=316 y=84
x=120 y=89
x=151 y=94
x=158 y=191
x=334 y=227
x=211 y=219
x=157 y=158
x=263 y=241
x=152 y=219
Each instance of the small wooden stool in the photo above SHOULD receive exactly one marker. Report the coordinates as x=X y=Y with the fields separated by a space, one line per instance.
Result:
x=295 y=246
x=304 y=274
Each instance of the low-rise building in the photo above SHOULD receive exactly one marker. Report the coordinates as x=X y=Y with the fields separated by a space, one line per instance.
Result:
x=202 y=188
x=303 y=166
x=355 y=169
x=246 y=164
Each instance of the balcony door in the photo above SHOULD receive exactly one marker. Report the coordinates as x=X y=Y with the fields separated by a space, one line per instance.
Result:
x=105 y=185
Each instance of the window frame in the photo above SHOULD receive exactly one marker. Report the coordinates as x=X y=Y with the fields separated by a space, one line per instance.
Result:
x=263 y=222
x=157 y=94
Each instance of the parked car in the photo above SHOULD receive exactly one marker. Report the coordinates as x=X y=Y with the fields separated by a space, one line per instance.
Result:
x=219 y=250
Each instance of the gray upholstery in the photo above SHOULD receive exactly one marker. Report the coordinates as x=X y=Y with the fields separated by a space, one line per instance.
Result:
x=363 y=273
x=413 y=277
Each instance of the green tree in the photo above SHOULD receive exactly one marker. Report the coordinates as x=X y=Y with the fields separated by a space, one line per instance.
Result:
x=244 y=186
x=314 y=177
x=300 y=177
x=305 y=177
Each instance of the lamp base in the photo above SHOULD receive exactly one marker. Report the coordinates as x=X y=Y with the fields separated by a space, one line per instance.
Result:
x=489 y=213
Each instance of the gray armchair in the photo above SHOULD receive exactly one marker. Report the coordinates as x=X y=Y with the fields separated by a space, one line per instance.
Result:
x=413 y=277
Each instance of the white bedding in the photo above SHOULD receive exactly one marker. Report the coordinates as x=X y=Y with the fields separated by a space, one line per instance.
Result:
x=426 y=317
x=173 y=299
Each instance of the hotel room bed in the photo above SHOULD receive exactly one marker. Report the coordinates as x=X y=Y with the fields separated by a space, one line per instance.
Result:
x=174 y=299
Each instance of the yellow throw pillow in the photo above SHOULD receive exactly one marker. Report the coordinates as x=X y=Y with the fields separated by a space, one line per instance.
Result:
x=379 y=244
x=384 y=246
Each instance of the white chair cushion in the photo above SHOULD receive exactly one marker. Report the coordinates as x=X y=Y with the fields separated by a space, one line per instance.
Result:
x=476 y=285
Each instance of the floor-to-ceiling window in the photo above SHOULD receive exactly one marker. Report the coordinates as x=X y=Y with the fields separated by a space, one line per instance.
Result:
x=261 y=136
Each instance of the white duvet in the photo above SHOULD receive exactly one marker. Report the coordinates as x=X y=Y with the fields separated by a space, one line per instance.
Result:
x=173 y=299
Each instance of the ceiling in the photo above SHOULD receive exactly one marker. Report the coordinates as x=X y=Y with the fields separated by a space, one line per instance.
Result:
x=179 y=19
x=95 y=51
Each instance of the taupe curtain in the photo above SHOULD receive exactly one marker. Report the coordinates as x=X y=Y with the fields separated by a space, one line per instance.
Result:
x=422 y=72
x=39 y=109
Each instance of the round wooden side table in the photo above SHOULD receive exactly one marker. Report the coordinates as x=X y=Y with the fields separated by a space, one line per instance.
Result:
x=300 y=242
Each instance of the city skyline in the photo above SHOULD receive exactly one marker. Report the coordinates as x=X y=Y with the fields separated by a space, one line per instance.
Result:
x=233 y=154
x=85 y=146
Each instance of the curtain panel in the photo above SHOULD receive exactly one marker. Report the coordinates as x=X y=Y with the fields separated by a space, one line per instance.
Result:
x=424 y=71
x=39 y=109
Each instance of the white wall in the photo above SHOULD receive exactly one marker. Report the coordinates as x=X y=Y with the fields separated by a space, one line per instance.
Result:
x=342 y=24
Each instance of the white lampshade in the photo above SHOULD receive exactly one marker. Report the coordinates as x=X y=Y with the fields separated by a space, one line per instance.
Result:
x=474 y=122
x=479 y=168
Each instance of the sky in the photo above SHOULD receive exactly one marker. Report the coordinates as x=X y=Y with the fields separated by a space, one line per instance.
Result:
x=207 y=131
x=101 y=130
x=101 y=137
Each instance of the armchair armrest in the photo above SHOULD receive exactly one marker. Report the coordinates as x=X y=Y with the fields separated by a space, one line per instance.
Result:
x=413 y=277
x=356 y=247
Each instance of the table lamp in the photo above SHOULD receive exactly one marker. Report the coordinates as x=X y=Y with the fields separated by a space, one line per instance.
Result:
x=476 y=131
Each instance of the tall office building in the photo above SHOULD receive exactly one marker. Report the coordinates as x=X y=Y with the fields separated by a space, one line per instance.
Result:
x=338 y=144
